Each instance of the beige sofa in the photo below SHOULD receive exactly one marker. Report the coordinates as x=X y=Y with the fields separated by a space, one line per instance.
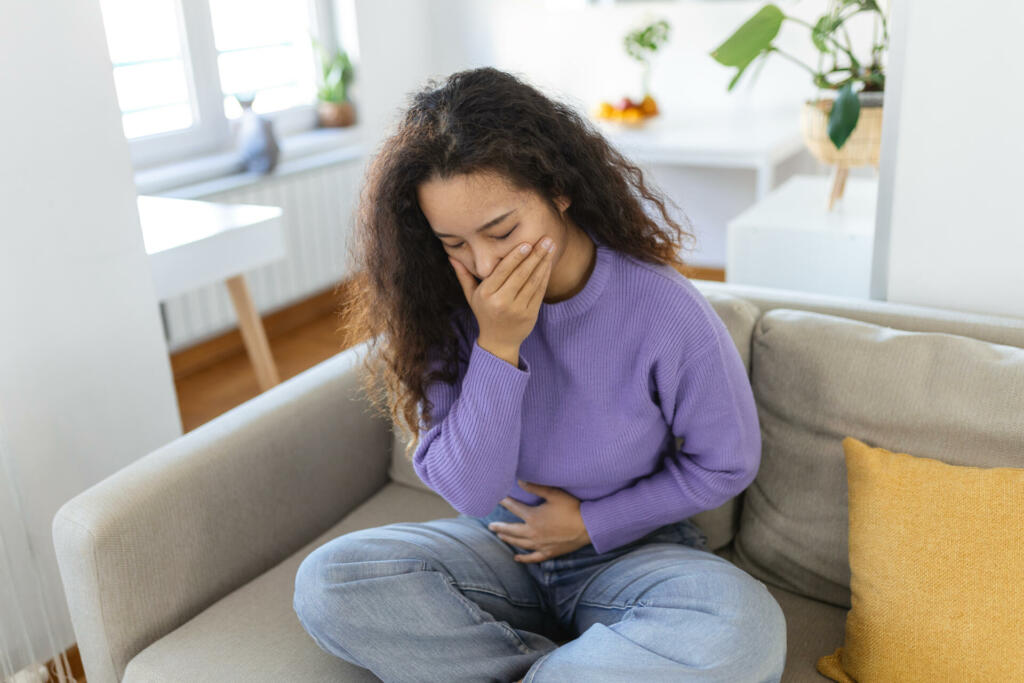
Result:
x=181 y=566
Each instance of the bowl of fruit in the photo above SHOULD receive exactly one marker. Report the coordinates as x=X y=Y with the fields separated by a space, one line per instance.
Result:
x=626 y=112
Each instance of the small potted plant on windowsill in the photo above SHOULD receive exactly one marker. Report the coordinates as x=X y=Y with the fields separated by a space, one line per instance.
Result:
x=844 y=130
x=334 y=108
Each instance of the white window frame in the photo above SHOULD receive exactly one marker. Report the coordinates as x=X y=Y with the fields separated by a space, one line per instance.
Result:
x=213 y=132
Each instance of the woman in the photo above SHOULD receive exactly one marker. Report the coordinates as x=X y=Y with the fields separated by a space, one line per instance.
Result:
x=548 y=388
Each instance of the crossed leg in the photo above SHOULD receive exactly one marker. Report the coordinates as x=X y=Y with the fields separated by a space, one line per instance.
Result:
x=670 y=612
x=441 y=600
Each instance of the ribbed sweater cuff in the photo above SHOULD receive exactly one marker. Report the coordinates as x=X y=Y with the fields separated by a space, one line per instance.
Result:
x=484 y=361
x=501 y=383
x=619 y=518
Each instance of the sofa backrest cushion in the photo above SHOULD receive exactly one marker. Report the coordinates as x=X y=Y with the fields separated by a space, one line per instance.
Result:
x=818 y=378
x=719 y=524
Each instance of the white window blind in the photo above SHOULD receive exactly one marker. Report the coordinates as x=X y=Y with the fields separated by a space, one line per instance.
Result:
x=178 y=65
x=263 y=47
x=144 y=40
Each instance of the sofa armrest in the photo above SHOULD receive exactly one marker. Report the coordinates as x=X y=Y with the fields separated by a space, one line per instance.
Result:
x=157 y=542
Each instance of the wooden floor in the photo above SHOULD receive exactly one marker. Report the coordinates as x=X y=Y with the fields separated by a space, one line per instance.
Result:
x=204 y=394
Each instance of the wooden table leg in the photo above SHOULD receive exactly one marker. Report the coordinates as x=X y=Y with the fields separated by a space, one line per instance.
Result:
x=838 y=184
x=253 y=335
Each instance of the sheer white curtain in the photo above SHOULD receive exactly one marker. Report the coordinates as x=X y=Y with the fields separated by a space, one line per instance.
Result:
x=22 y=599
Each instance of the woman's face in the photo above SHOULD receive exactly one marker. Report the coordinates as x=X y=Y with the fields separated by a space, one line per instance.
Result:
x=458 y=207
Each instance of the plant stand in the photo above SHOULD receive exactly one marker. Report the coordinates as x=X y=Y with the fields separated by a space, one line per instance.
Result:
x=861 y=148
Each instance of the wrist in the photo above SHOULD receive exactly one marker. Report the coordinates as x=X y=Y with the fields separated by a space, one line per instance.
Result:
x=584 y=535
x=506 y=352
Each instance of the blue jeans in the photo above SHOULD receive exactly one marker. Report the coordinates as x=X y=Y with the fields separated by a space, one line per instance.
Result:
x=444 y=601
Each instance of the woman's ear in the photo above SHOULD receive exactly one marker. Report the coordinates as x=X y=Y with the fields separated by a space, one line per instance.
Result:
x=563 y=203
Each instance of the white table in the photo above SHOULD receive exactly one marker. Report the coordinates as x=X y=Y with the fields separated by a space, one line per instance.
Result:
x=791 y=240
x=193 y=243
x=757 y=140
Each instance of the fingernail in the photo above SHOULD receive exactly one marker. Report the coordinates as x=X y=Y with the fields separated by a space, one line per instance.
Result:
x=546 y=243
x=525 y=248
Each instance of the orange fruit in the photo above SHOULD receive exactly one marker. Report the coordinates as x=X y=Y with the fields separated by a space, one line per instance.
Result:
x=649 y=106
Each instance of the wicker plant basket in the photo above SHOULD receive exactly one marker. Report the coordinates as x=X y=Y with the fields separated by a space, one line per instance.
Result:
x=860 y=149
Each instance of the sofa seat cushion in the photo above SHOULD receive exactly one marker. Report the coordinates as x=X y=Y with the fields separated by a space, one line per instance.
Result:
x=253 y=633
x=812 y=627
x=820 y=378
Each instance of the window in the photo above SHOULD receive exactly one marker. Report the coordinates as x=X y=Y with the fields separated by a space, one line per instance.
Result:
x=144 y=40
x=263 y=48
x=178 y=65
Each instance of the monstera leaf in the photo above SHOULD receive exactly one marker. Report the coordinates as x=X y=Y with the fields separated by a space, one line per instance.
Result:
x=751 y=39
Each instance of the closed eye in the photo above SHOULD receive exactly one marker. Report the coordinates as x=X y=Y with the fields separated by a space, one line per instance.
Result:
x=498 y=237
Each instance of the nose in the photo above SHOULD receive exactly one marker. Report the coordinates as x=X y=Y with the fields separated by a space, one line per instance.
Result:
x=485 y=261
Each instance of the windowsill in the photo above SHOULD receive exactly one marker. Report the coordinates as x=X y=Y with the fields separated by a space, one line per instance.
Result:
x=225 y=171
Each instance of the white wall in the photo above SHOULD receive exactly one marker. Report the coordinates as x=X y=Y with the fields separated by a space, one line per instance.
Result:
x=85 y=379
x=395 y=54
x=575 y=52
x=950 y=222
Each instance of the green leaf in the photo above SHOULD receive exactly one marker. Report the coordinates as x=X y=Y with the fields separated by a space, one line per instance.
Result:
x=864 y=5
x=822 y=29
x=643 y=42
x=743 y=69
x=750 y=39
x=843 y=117
x=736 y=78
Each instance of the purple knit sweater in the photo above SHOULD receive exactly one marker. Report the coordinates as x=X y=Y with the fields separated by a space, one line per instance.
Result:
x=606 y=381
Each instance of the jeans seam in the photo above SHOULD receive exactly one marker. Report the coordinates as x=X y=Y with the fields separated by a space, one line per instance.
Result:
x=470 y=605
x=535 y=667
x=627 y=605
x=503 y=596
x=478 y=558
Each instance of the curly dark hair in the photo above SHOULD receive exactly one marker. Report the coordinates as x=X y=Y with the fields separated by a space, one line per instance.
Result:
x=480 y=120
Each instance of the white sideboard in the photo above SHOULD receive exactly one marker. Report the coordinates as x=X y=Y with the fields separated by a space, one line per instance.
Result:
x=789 y=239
x=713 y=164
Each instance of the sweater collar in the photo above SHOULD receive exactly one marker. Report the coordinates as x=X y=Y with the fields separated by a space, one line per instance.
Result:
x=585 y=298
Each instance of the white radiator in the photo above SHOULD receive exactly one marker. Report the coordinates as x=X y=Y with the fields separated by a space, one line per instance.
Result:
x=318 y=207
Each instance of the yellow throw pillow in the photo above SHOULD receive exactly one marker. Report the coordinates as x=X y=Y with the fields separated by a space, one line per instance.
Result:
x=936 y=571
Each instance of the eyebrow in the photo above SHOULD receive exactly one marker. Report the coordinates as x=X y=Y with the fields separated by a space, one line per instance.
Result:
x=488 y=224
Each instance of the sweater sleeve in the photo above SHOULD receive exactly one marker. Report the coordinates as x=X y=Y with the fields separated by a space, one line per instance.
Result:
x=712 y=408
x=469 y=453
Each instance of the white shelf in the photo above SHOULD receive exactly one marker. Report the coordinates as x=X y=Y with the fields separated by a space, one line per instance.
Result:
x=791 y=240
x=758 y=140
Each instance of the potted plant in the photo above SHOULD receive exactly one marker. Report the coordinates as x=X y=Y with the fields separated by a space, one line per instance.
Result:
x=846 y=129
x=641 y=44
x=334 y=109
